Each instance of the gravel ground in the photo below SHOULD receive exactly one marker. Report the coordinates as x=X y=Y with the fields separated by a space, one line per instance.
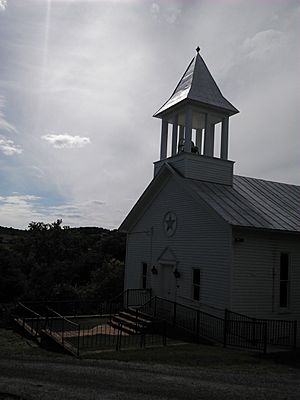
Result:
x=28 y=379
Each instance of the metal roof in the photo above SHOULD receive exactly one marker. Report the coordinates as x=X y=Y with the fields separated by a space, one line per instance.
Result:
x=197 y=84
x=253 y=203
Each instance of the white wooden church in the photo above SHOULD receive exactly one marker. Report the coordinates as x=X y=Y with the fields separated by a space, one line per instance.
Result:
x=201 y=235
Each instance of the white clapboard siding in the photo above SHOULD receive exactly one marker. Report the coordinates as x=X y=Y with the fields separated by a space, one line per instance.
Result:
x=202 y=240
x=255 y=274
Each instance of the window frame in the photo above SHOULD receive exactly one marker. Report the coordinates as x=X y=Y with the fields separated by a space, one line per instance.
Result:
x=284 y=287
x=144 y=275
x=196 y=286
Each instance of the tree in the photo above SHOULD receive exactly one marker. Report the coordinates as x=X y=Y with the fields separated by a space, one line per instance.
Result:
x=12 y=282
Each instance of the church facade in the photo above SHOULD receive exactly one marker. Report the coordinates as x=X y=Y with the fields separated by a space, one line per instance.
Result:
x=202 y=236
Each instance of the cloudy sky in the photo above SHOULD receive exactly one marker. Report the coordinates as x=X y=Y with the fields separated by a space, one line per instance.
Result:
x=80 y=81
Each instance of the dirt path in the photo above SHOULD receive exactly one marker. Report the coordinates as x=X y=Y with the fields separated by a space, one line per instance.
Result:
x=86 y=379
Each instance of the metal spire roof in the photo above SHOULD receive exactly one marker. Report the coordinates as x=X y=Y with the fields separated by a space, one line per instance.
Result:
x=197 y=84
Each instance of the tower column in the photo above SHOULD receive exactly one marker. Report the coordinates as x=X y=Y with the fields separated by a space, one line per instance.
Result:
x=199 y=139
x=188 y=131
x=224 y=138
x=209 y=138
x=174 y=135
x=164 y=139
x=181 y=132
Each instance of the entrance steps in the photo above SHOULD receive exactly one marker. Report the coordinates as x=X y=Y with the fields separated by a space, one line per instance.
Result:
x=131 y=321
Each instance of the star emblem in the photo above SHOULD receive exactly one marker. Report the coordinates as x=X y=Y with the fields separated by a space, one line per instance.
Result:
x=170 y=223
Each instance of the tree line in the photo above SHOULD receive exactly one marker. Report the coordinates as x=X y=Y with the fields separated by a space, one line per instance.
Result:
x=55 y=262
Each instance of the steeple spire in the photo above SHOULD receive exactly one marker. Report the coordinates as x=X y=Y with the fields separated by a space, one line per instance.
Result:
x=197 y=86
x=194 y=109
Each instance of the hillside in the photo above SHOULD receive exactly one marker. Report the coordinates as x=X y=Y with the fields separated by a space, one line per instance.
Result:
x=48 y=261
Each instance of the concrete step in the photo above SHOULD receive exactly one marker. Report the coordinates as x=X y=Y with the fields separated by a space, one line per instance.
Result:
x=142 y=315
x=134 y=325
x=135 y=317
x=123 y=328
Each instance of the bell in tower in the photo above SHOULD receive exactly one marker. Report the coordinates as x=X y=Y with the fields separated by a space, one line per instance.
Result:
x=193 y=110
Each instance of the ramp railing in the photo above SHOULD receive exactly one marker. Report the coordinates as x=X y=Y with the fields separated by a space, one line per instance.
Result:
x=64 y=331
x=28 y=319
x=233 y=329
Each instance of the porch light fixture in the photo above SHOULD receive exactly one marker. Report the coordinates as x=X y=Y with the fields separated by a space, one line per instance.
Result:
x=154 y=270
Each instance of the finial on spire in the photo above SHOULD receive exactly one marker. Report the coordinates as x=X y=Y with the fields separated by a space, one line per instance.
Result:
x=198 y=49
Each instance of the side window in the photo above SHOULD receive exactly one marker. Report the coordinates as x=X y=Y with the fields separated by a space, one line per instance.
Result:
x=196 y=284
x=144 y=275
x=284 y=277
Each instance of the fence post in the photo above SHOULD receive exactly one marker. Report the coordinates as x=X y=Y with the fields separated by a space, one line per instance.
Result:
x=46 y=320
x=120 y=337
x=197 y=326
x=78 y=344
x=136 y=319
x=225 y=327
x=295 y=334
x=143 y=340
x=174 y=316
x=118 y=333
x=63 y=331
x=110 y=310
x=155 y=299
x=127 y=296
x=37 y=326
x=253 y=330
x=164 y=334
x=23 y=318
x=150 y=294
x=265 y=338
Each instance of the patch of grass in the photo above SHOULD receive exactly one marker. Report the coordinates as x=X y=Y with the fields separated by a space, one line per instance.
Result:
x=184 y=355
x=13 y=344
x=289 y=358
x=194 y=355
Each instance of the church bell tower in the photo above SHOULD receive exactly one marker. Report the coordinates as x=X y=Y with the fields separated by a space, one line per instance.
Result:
x=189 y=120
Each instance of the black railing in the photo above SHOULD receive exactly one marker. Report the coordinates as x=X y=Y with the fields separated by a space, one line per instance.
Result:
x=105 y=337
x=73 y=308
x=132 y=298
x=196 y=323
x=28 y=319
x=276 y=332
x=233 y=330
x=64 y=331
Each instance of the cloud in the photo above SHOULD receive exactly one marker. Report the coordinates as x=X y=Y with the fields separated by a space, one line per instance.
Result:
x=8 y=147
x=155 y=9
x=3 y=5
x=263 y=42
x=19 y=199
x=61 y=141
x=19 y=209
x=169 y=14
x=4 y=124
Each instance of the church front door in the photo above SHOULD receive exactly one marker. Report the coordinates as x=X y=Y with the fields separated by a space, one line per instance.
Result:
x=168 y=282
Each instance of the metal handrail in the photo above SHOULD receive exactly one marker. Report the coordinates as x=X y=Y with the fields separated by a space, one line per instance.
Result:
x=28 y=309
